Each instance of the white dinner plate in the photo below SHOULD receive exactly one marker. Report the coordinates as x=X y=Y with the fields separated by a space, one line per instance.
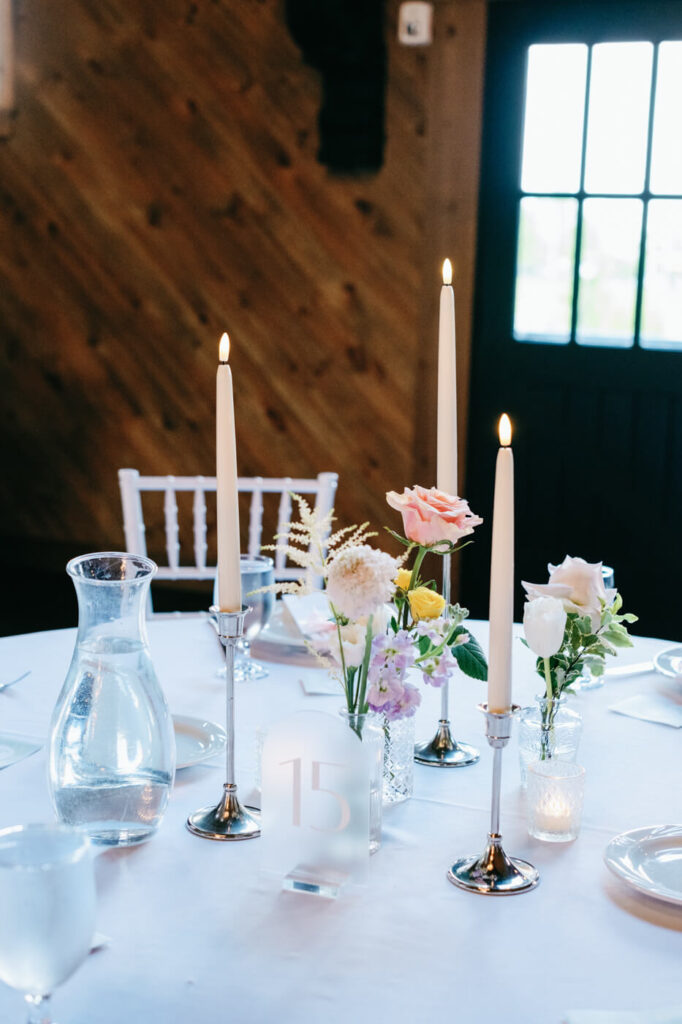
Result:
x=650 y=860
x=669 y=662
x=196 y=740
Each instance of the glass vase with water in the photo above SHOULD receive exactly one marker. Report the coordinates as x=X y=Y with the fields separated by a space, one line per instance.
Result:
x=111 y=756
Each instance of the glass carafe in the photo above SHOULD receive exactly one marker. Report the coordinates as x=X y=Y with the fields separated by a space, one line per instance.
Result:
x=111 y=754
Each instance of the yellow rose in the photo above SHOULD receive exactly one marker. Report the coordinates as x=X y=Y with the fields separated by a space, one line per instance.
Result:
x=425 y=603
x=402 y=580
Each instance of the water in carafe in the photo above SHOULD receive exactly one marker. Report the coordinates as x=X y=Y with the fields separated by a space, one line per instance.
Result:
x=112 y=748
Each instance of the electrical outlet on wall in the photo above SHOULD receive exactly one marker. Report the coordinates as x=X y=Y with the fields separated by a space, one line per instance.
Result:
x=415 y=23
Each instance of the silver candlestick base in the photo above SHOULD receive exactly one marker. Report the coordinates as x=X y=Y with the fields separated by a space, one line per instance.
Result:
x=493 y=873
x=443 y=751
x=228 y=820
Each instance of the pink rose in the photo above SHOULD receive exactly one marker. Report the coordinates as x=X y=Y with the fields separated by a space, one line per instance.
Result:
x=431 y=516
x=579 y=585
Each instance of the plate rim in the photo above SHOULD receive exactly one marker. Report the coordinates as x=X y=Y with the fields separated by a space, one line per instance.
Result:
x=216 y=729
x=631 y=838
x=657 y=665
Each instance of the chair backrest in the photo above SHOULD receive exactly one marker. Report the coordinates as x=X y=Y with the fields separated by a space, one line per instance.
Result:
x=322 y=488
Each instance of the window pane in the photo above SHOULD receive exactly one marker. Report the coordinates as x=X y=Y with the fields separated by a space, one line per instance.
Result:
x=662 y=299
x=666 y=153
x=609 y=262
x=544 y=269
x=618 y=117
x=553 y=126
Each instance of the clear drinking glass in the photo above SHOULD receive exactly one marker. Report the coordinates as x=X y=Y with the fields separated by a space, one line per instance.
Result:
x=47 y=895
x=256 y=571
x=587 y=681
x=111 y=753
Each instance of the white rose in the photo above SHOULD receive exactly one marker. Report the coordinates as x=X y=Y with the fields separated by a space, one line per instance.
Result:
x=579 y=585
x=544 y=623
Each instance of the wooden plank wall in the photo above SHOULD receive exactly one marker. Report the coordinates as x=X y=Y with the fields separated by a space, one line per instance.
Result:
x=160 y=186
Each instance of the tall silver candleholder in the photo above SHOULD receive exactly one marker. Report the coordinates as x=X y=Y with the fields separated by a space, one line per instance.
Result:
x=442 y=751
x=493 y=873
x=228 y=820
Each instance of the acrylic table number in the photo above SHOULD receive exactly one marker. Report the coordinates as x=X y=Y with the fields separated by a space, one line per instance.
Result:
x=315 y=804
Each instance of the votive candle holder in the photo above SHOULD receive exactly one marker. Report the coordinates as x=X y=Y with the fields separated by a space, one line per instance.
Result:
x=555 y=800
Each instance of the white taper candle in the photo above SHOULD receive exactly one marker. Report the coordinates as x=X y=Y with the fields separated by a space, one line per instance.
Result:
x=229 y=574
x=502 y=576
x=446 y=474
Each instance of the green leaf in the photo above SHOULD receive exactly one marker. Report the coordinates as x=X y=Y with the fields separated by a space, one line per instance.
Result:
x=617 y=636
x=471 y=659
x=403 y=540
x=629 y=617
x=424 y=644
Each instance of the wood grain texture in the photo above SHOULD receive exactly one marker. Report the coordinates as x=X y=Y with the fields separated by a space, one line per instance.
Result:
x=160 y=186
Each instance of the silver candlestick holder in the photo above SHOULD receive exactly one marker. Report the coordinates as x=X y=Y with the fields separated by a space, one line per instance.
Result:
x=443 y=751
x=228 y=820
x=493 y=873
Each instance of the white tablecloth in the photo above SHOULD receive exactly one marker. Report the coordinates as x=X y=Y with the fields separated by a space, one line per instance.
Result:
x=197 y=933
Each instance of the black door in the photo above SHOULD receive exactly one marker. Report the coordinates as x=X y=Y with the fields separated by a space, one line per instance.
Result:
x=578 y=322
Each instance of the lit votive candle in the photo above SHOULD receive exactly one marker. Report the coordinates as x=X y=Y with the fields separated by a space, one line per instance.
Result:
x=555 y=800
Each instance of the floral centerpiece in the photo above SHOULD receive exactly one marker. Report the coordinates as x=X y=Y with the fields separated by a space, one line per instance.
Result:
x=572 y=623
x=388 y=627
x=385 y=620
x=433 y=522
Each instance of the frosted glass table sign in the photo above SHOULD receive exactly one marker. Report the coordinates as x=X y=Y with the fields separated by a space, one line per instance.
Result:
x=315 y=804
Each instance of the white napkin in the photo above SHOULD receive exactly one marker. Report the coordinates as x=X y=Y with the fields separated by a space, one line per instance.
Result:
x=671 y=1015
x=310 y=612
x=651 y=707
x=321 y=685
x=15 y=748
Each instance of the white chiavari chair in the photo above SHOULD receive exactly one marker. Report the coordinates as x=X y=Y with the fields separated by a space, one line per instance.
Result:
x=319 y=491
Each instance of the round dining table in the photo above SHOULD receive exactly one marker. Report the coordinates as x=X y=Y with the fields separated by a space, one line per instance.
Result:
x=196 y=931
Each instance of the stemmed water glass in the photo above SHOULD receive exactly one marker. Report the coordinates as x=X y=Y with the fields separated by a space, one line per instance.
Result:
x=47 y=895
x=256 y=571
x=587 y=681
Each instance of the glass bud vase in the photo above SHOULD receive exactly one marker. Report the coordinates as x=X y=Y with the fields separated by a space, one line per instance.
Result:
x=369 y=729
x=398 y=760
x=111 y=749
x=547 y=729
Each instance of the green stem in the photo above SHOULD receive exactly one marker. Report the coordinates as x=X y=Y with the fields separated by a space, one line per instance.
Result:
x=548 y=679
x=417 y=566
x=364 y=668
x=346 y=681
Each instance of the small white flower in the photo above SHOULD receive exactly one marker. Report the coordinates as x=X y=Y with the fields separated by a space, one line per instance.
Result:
x=544 y=623
x=359 y=579
x=353 y=640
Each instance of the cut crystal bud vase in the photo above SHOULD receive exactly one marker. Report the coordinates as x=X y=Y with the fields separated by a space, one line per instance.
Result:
x=550 y=728
x=398 y=760
x=111 y=756
x=369 y=729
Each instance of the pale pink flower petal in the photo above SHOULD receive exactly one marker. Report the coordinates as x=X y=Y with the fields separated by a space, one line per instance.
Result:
x=431 y=516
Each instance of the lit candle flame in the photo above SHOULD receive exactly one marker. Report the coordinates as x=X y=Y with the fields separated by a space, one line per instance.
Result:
x=505 y=430
x=224 y=348
x=447 y=272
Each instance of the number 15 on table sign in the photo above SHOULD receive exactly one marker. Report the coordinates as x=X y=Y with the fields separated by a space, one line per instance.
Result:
x=315 y=804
